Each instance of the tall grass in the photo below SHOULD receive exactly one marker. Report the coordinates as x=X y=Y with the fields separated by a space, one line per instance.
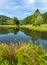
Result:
x=24 y=54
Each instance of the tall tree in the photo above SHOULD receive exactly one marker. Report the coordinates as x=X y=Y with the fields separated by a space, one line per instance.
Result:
x=39 y=20
x=16 y=20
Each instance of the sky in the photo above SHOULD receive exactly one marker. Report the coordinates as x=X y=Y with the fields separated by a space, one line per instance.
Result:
x=21 y=8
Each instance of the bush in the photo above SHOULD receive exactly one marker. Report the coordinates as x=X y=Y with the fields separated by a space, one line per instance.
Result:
x=24 y=54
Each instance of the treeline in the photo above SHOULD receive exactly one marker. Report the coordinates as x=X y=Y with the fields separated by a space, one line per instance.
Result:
x=4 y=20
x=36 y=19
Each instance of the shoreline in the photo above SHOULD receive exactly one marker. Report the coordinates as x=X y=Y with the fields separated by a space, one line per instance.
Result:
x=35 y=28
x=8 y=26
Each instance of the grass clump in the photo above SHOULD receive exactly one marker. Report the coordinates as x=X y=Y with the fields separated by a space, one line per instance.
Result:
x=24 y=54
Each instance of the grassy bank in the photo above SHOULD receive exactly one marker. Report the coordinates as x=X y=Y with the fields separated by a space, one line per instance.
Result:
x=8 y=26
x=42 y=27
x=36 y=28
x=24 y=54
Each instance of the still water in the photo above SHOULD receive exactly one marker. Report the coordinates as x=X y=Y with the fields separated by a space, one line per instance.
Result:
x=23 y=35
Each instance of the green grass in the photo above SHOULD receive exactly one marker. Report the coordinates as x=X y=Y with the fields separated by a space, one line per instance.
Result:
x=44 y=25
x=8 y=26
x=36 y=28
x=24 y=54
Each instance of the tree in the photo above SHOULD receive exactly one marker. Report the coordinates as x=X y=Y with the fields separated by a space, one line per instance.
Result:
x=10 y=22
x=45 y=17
x=39 y=20
x=16 y=20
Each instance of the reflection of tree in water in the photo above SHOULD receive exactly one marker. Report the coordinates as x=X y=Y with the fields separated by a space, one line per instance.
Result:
x=5 y=31
x=35 y=35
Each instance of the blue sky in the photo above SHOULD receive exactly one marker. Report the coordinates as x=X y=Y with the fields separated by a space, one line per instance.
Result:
x=21 y=8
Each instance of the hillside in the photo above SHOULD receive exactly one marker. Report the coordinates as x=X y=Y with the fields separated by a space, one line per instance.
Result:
x=45 y=17
x=36 y=18
x=3 y=19
x=33 y=18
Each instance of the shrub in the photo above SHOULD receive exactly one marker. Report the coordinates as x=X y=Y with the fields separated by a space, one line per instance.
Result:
x=24 y=54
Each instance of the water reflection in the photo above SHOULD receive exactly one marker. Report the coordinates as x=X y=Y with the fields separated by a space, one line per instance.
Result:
x=22 y=35
x=5 y=31
x=34 y=34
x=39 y=37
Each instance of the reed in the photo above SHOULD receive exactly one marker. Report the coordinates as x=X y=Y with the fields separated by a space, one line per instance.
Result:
x=23 y=54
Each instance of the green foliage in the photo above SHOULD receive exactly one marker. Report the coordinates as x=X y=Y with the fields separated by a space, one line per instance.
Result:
x=45 y=17
x=3 y=19
x=34 y=19
x=24 y=54
x=12 y=21
x=16 y=20
x=27 y=20
x=39 y=20
x=35 y=16
x=31 y=19
x=37 y=12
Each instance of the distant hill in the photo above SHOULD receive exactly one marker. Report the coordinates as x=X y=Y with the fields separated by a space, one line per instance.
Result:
x=32 y=18
x=3 y=19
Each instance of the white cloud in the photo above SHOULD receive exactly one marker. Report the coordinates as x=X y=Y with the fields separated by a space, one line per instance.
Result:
x=11 y=5
x=7 y=7
x=1 y=13
x=7 y=14
x=27 y=5
x=44 y=3
x=4 y=3
x=27 y=13
x=8 y=4
x=29 y=2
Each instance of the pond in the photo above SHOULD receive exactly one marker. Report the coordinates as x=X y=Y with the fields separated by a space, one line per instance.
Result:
x=23 y=35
